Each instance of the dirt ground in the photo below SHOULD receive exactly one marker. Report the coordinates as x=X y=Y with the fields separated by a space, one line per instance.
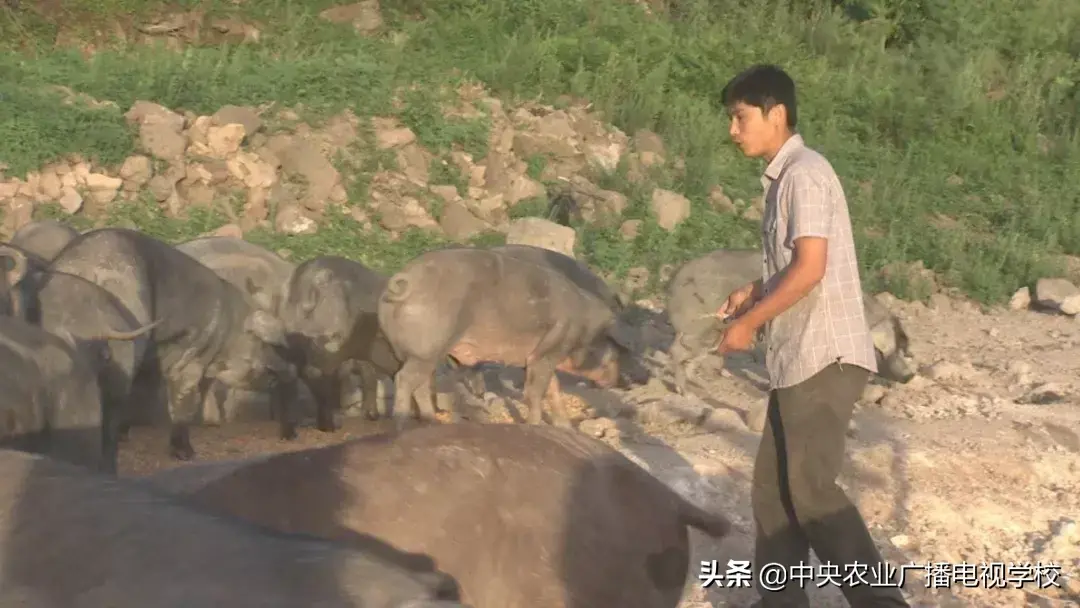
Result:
x=976 y=460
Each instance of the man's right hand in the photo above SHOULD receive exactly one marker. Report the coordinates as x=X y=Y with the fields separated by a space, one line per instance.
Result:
x=739 y=301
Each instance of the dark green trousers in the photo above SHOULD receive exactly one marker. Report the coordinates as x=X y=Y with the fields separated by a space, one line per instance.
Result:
x=796 y=502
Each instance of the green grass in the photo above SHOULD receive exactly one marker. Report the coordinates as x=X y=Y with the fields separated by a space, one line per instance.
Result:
x=900 y=95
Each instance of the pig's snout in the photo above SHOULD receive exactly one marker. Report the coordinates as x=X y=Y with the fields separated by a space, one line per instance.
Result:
x=604 y=375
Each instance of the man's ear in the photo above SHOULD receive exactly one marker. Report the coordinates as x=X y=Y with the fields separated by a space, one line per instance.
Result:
x=777 y=115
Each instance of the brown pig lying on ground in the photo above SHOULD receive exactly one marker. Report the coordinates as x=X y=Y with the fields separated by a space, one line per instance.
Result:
x=71 y=538
x=478 y=306
x=522 y=516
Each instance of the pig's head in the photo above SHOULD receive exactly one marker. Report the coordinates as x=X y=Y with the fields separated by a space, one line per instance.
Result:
x=891 y=349
x=316 y=316
x=257 y=357
x=610 y=361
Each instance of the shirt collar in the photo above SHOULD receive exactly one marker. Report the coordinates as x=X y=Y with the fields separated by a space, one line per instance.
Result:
x=772 y=171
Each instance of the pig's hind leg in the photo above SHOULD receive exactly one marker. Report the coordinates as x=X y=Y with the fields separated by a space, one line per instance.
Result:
x=539 y=376
x=414 y=381
x=678 y=354
x=186 y=395
x=369 y=383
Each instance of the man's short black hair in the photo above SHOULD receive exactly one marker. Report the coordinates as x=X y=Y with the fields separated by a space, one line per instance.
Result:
x=762 y=86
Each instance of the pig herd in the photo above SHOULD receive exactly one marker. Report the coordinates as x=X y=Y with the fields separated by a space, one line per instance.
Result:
x=97 y=328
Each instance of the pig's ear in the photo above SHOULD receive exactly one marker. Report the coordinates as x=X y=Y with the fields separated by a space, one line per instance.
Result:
x=320 y=282
x=266 y=327
x=258 y=295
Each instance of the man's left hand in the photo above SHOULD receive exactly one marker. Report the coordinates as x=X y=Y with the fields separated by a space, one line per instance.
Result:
x=737 y=337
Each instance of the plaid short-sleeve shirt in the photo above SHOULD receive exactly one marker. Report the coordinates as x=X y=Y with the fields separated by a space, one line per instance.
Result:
x=804 y=197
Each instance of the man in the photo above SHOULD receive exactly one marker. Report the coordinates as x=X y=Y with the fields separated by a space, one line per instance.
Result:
x=819 y=351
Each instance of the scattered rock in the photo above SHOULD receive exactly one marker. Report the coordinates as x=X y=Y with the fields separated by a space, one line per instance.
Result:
x=248 y=117
x=70 y=200
x=541 y=233
x=230 y=231
x=103 y=188
x=650 y=147
x=629 y=229
x=1020 y=300
x=594 y=204
x=365 y=17
x=900 y=541
x=224 y=141
x=136 y=172
x=148 y=112
x=670 y=208
x=723 y=419
x=413 y=161
x=290 y=219
x=162 y=141
x=50 y=185
x=600 y=428
x=459 y=223
x=403 y=214
x=1058 y=294
x=19 y=212
x=389 y=134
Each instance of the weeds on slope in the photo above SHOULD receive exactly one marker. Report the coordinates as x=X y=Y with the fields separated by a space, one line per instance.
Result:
x=954 y=126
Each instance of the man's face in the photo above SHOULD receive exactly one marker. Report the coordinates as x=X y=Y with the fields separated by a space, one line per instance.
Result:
x=754 y=131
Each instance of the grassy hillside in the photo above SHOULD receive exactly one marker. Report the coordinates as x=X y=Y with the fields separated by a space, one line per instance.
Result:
x=952 y=123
